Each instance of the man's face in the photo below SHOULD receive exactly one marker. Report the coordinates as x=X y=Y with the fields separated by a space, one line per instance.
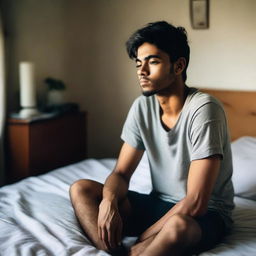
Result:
x=154 y=69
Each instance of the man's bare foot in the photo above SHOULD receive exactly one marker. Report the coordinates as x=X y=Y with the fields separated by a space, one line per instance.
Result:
x=140 y=247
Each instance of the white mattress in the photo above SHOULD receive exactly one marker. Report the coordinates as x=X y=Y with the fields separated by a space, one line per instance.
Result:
x=36 y=217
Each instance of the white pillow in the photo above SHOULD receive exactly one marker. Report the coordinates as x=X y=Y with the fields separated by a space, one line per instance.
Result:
x=244 y=167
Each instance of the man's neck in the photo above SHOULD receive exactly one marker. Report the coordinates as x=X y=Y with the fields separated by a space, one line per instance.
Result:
x=172 y=103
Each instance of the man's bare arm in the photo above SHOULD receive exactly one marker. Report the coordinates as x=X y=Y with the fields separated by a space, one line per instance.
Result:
x=201 y=180
x=116 y=185
x=114 y=191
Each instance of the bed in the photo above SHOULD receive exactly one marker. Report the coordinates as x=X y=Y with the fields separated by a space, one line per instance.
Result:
x=36 y=217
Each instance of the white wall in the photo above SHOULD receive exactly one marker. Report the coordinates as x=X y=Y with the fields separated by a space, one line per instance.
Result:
x=82 y=43
x=224 y=56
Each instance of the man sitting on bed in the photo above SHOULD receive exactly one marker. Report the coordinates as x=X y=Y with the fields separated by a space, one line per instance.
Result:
x=184 y=134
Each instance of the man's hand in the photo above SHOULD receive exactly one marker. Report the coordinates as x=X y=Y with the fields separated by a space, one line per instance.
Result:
x=110 y=224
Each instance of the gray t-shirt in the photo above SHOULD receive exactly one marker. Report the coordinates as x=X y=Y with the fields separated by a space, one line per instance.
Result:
x=200 y=132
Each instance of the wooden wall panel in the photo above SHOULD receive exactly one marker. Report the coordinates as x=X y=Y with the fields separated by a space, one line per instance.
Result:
x=240 y=107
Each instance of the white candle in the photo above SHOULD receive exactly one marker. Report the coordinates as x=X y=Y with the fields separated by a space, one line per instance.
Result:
x=27 y=85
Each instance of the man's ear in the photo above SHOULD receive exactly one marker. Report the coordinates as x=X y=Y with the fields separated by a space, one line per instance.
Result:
x=179 y=65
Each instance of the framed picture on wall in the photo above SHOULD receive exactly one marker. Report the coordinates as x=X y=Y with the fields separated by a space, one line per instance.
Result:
x=199 y=14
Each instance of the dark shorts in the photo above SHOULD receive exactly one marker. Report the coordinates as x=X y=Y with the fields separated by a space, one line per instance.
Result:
x=147 y=209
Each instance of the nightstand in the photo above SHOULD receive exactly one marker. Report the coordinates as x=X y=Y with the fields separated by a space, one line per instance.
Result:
x=38 y=146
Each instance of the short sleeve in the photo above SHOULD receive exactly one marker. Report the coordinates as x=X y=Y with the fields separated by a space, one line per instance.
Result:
x=131 y=130
x=208 y=131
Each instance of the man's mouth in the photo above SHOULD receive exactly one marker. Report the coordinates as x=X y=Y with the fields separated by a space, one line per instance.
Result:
x=144 y=81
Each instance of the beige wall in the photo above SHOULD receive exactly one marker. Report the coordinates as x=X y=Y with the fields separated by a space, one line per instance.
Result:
x=82 y=43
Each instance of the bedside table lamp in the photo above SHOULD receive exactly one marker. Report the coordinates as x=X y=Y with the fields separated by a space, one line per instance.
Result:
x=27 y=90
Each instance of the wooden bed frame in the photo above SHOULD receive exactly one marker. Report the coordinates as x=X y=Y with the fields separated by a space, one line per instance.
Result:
x=240 y=108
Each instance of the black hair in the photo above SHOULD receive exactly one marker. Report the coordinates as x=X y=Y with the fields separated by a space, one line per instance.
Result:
x=166 y=37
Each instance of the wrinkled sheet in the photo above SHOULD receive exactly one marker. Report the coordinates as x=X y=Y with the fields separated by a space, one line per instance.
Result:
x=36 y=216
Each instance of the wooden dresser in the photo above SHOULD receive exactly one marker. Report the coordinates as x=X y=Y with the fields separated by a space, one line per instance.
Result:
x=35 y=147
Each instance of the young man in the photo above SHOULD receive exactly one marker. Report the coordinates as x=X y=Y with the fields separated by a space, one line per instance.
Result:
x=184 y=134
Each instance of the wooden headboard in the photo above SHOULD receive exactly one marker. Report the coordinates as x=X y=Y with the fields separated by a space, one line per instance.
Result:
x=240 y=108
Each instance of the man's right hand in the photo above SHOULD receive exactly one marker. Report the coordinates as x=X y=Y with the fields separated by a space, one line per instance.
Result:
x=110 y=224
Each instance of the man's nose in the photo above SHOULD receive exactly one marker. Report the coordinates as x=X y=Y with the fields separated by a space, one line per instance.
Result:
x=143 y=70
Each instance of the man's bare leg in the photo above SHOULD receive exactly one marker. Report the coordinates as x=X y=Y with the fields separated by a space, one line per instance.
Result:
x=179 y=233
x=86 y=196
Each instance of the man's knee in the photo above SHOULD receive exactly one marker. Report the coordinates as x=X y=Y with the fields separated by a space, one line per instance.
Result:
x=85 y=187
x=182 y=229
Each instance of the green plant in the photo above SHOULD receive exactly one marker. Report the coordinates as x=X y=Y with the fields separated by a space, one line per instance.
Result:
x=54 y=84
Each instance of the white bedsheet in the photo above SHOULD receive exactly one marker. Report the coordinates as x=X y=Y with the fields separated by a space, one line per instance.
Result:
x=36 y=217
